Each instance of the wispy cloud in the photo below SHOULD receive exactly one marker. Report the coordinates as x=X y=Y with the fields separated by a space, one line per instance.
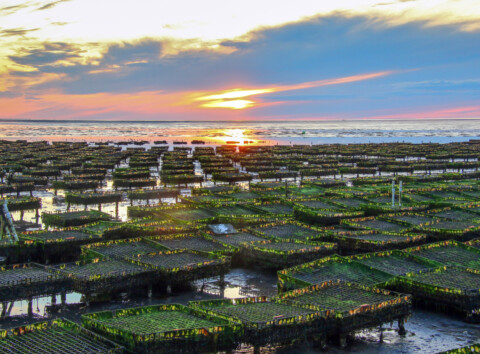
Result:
x=17 y=32
x=154 y=105
x=8 y=10
x=150 y=103
x=441 y=85
x=51 y=5
x=472 y=111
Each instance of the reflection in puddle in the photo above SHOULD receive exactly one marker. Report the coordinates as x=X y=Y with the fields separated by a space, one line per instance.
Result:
x=240 y=283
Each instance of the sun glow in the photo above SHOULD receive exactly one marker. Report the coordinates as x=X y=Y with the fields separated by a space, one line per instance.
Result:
x=237 y=137
x=232 y=98
x=233 y=104
x=236 y=93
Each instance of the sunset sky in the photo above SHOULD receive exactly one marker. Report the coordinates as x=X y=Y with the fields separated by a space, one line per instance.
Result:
x=247 y=60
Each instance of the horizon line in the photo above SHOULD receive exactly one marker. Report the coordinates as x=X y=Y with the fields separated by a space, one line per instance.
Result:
x=226 y=120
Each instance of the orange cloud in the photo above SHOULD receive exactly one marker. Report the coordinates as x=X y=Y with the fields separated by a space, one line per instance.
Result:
x=157 y=103
x=99 y=105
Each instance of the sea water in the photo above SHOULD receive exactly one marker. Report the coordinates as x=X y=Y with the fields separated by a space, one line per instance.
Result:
x=265 y=132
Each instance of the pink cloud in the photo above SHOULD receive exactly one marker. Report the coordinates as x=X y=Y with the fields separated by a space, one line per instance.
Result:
x=151 y=104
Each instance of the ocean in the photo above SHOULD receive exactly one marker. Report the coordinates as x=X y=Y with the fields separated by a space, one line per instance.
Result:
x=260 y=132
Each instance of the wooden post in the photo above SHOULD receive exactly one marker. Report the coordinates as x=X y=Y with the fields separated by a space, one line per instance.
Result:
x=30 y=307
x=401 y=326
x=4 y=309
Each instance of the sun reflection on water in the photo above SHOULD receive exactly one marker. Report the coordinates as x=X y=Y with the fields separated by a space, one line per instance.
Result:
x=237 y=136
